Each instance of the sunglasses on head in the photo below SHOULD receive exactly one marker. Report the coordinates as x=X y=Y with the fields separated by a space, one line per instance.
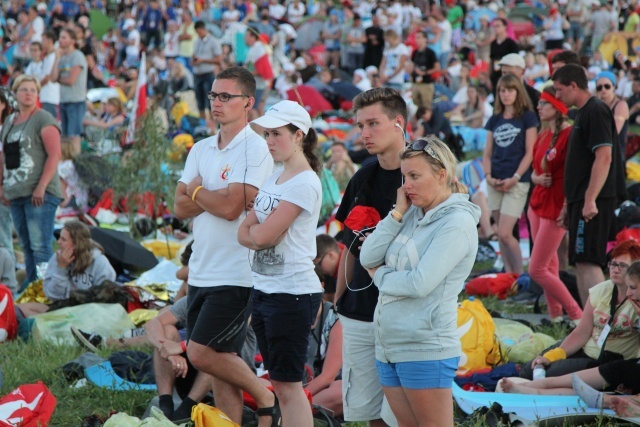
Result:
x=423 y=145
x=606 y=86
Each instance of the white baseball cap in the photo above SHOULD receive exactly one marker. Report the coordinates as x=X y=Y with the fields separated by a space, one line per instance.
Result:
x=361 y=73
x=284 y=113
x=514 y=60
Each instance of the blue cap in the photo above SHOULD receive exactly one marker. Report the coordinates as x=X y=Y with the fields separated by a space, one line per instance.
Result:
x=607 y=75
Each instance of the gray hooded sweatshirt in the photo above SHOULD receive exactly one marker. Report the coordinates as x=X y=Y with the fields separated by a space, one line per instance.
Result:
x=425 y=260
x=58 y=282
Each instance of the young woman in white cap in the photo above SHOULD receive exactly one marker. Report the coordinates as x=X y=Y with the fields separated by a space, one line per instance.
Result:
x=282 y=229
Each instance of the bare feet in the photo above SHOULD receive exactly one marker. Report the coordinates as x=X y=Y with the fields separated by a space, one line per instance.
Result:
x=509 y=386
x=626 y=406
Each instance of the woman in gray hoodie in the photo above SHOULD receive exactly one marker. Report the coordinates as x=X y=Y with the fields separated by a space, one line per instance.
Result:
x=419 y=257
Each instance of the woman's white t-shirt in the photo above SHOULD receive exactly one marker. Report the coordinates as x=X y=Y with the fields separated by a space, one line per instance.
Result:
x=288 y=267
x=171 y=45
x=393 y=55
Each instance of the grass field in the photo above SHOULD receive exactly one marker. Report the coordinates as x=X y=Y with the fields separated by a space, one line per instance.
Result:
x=29 y=362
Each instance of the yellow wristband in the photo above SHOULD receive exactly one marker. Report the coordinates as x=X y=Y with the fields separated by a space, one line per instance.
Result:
x=193 y=196
x=396 y=215
x=555 y=354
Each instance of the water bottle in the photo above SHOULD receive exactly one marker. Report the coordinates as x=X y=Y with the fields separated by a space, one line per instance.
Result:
x=539 y=372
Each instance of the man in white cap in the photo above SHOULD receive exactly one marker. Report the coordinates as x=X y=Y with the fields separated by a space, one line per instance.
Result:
x=133 y=42
x=361 y=80
x=374 y=75
x=514 y=64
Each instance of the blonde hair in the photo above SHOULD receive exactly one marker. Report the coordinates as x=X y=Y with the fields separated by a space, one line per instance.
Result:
x=67 y=150
x=23 y=78
x=116 y=103
x=439 y=156
x=522 y=103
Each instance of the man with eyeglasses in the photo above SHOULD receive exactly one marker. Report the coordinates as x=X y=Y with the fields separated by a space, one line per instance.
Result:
x=221 y=178
x=594 y=177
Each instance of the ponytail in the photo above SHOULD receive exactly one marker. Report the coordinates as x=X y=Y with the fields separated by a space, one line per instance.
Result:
x=309 y=144
x=458 y=187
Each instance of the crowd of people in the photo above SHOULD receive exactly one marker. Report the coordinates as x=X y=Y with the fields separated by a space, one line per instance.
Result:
x=548 y=113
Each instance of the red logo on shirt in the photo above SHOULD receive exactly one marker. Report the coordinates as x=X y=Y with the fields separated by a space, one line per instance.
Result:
x=224 y=174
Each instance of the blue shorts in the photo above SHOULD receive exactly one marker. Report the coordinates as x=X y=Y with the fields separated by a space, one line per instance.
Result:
x=71 y=115
x=418 y=375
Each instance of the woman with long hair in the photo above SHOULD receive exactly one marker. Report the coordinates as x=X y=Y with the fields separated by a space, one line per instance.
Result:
x=419 y=257
x=546 y=203
x=31 y=146
x=506 y=160
x=281 y=228
x=78 y=264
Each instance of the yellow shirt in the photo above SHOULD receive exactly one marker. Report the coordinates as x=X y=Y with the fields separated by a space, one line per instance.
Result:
x=185 y=47
x=623 y=338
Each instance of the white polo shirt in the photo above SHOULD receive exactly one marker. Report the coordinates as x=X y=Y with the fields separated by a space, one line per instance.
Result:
x=218 y=259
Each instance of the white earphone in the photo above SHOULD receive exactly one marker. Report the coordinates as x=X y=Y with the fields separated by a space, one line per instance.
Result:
x=398 y=126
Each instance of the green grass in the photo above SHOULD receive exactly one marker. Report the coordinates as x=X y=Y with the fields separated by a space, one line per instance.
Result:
x=25 y=363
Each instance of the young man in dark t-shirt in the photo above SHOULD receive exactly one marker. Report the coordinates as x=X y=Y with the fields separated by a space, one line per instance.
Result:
x=501 y=46
x=381 y=115
x=593 y=177
x=425 y=63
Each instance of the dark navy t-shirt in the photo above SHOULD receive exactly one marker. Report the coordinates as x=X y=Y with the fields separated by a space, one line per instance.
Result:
x=509 y=144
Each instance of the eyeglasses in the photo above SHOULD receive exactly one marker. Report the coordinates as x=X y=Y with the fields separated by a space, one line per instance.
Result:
x=542 y=104
x=224 y=96
x=606 y=86
x=423 y=145
x=25 y=90
x=619 y=265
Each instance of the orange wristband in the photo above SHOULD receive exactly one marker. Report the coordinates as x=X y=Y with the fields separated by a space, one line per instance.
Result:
x=193 y=196
x=183 y=344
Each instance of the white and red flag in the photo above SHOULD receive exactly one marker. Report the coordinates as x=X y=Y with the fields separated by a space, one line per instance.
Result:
x=139 y=101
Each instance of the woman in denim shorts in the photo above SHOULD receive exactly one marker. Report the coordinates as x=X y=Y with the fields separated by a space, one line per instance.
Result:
x=419 y=257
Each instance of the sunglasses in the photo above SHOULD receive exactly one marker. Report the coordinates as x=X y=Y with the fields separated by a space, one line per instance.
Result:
x=224 y=96
x=606 y=86
x=423 y=145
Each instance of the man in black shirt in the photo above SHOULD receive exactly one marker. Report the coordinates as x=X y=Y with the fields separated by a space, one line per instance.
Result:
x=501 y=46
x=381 y=116
x=425 y=63
x=593 y=177
x=375 y=44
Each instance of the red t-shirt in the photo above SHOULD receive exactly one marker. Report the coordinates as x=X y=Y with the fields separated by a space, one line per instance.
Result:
x=547 y=202
x=342 y=248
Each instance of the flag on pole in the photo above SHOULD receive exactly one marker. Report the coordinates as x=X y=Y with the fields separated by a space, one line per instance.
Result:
x=139 y=101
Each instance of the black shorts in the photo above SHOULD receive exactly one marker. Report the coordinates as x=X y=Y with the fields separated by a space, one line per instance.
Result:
x=625 y=372
x=588 y=240
x=218 y=316
x=282 y=323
